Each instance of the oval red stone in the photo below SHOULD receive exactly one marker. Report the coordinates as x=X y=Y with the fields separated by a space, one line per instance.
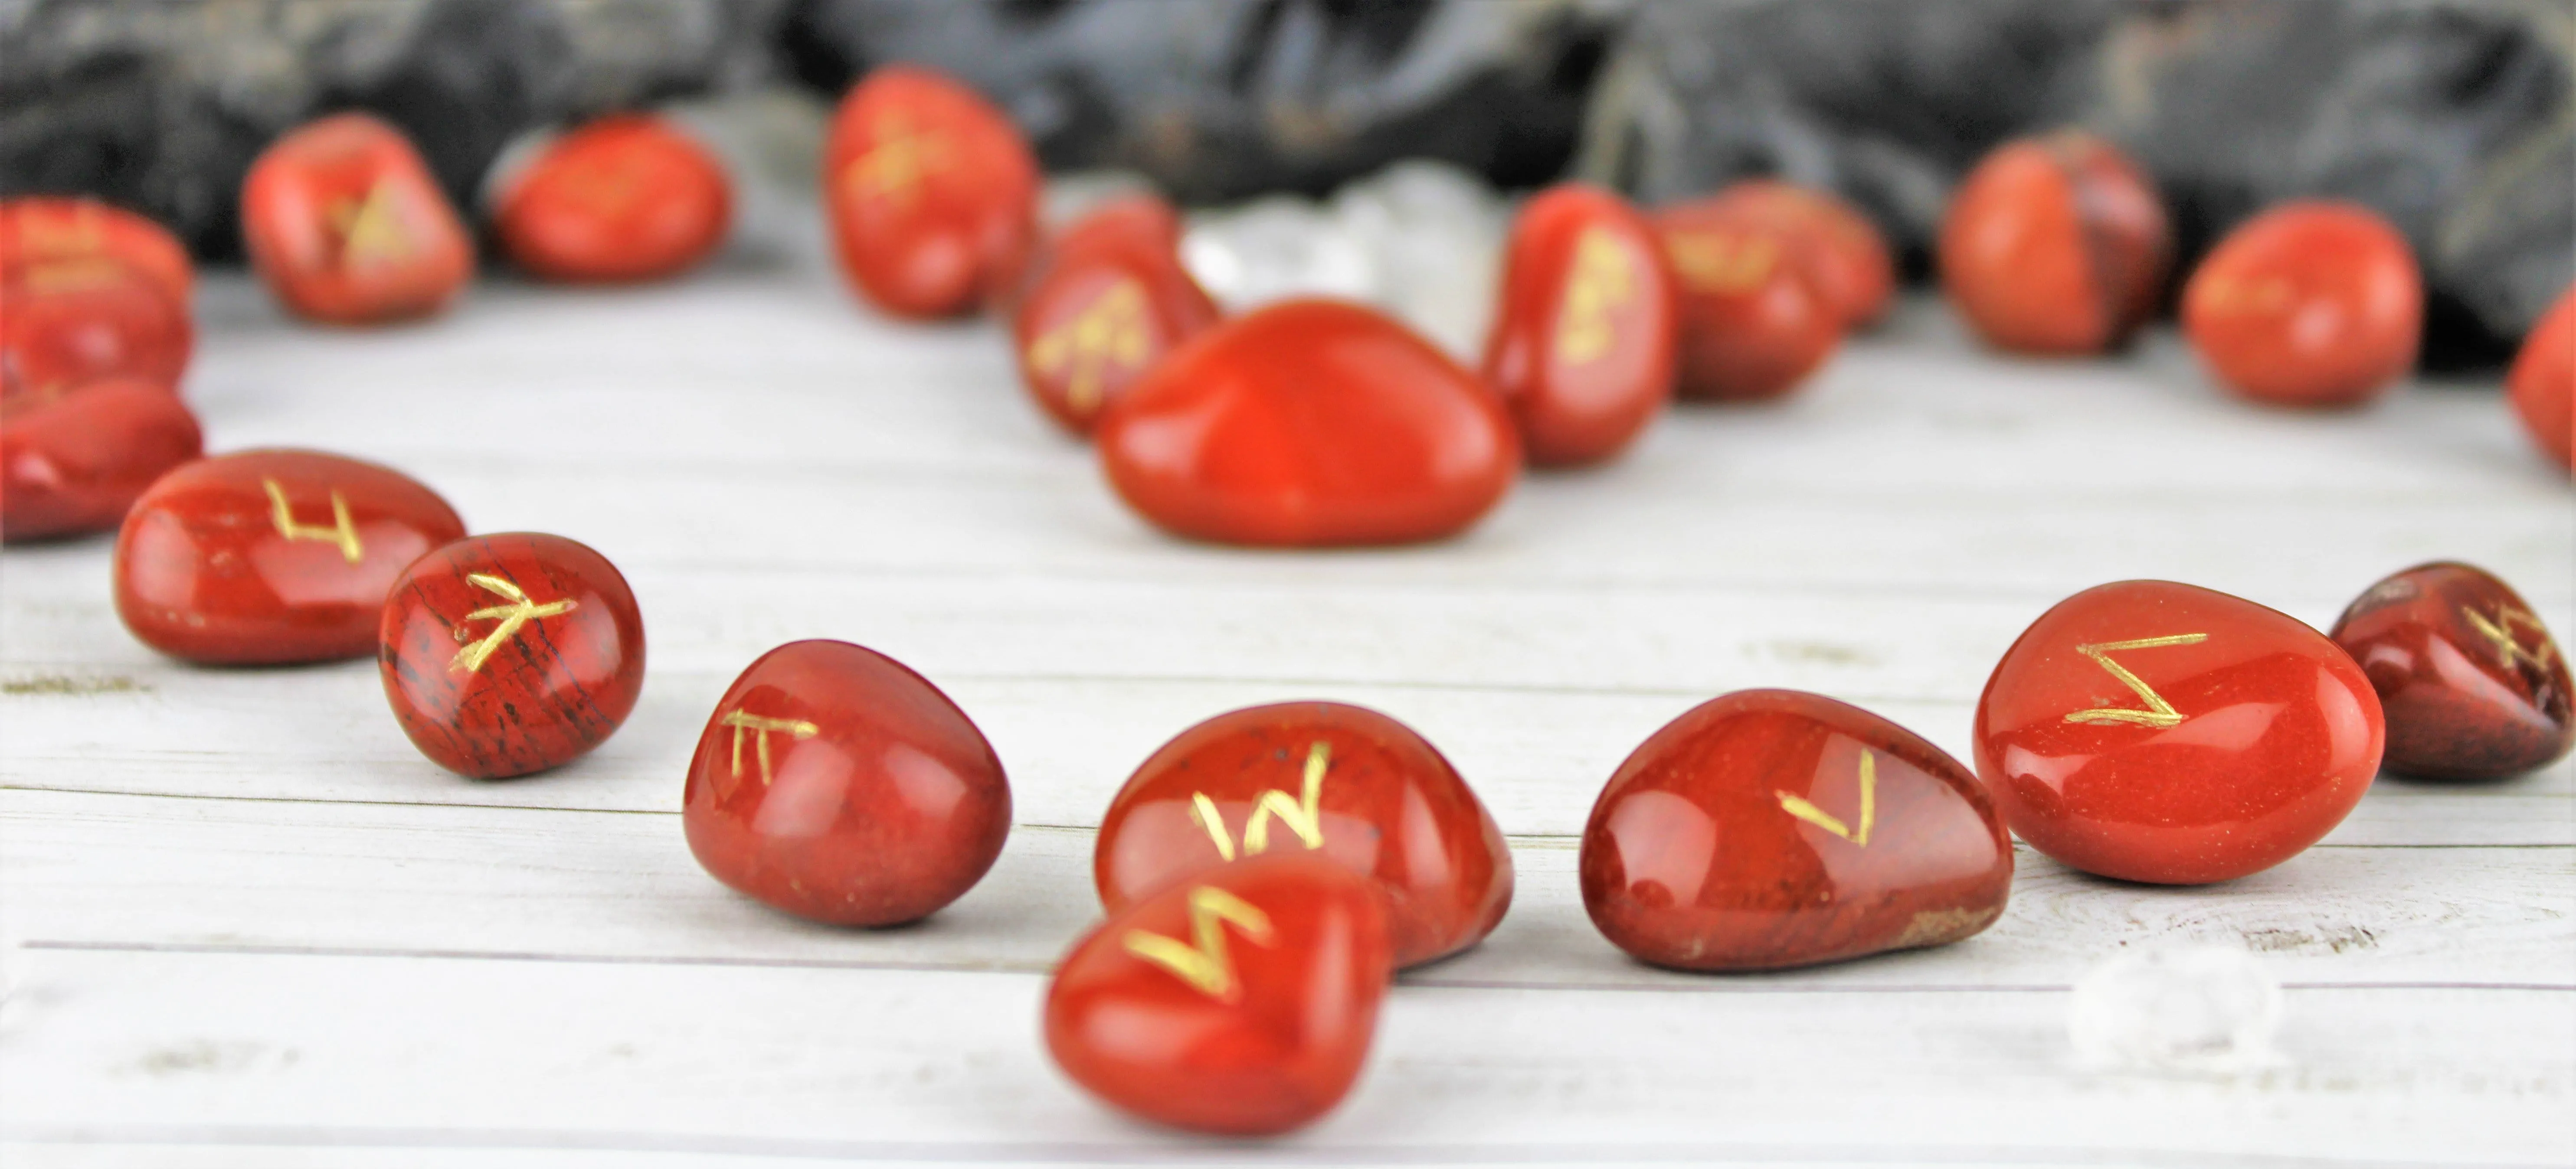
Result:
x=2312 y=303
x=1108 y=302
x=71 y=322
x=512 y=653
x=2472 y=684
x=1848 y=260
x=1337 y=781
x=1240 y=1002
x=40 y=230
x=931 y=192
x=622 y=198
x=2055 y=245
x=1773 y=828
x=1582 y=344
x=346 y=225
x=2161 y=732
x=1309 y=423
x=1753 y=322
x=271 y=556
x=2543 y=380
x=835 y=784
x=76 y=463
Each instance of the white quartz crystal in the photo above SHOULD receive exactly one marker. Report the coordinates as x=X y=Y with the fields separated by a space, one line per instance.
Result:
x=2191 y=1010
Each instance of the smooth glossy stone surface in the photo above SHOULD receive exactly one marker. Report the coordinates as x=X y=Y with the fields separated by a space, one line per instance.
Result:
x=67 y=323
x=1309 y=423
x=510 y=653
x=931 y=192
x=74 y=464
x=1849 y=261
x=624 y=198
x=2162 y=732
x=835 y=784
x=2472 y=685
x=1110 y=299
x=43 y=230
x=1582 y=344
x=271 y=555
x=1773 y=828
x=2311 y=303
x=346 y=225
x=1241 y=1002
x=1753 y=322
x=2055 y=245
x=1337 y=781
x=2543 y=380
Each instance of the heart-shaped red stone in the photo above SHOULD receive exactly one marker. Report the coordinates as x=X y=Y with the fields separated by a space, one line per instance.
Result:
x=40 y=230
x=1582 y=343
x=346 y=225
x=97 y=318
x=1323 y=778
x=623 y=198
x=1773 y=828
x=1309 y=423
x=1753 y=320
x=2154 y=731
x=2471 y=683
x=76 y=463
x=271 y=556
x=2543 y=381
x=835 y=784
x=1108 y=302
x=1849 y=260
x=2056 y=244
x=511 y=653
x=1240 y=1002
x=931 y=192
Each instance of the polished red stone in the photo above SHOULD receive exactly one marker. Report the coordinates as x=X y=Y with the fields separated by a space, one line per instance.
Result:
x=1774 y=828
x=1309 y=423
x=2312 y=303
x=931 y=192
x=271 y=555
x=74 y=464
x=1241 y=1002
x=346 y=225
x=2161 y=732
x=2471 y=682
x=835 y=784
x=1341 y=782
x=1582 y=346
x=623 y=198
x=2543 y=380
x=37 y=231
x=67 y=323
x=511 y=653
x=1108 y=301
x=2055 y=245
x=1849 y=258
x=1753 y=320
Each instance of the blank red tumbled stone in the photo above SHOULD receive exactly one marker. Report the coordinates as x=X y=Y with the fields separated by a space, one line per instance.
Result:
x=346 y=225
x=628 y=197
x=835 y=784
x=1108 y=301
x=510 y=653
x=1337 y=781
x=76 y=463
x=2154 y=731
x=931 y=193
x=2471 y=682
x=2542 y=384
x=1582 y=346
x=271 y=556
x=2312 y=303
x=2055 y=245
x=1773 y=828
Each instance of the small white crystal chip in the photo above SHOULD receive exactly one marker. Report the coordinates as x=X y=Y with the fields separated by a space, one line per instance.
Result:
x=2191 y=1010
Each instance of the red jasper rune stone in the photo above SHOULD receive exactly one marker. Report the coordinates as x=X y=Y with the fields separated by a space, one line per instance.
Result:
x=1341 y=782
x=1753 y=320
x=1309 y=423
x=2543 y=380
x=931 y=192
x=1772 y=828
x=39 y=230
x=2160 y=732
x=2312 y=303
x=1242 y=1001
x=507 y=654
x=76 y=463
x=835 y=784
x=1850 y=261
x=2056 y=244
x=1582 y=344
x=271 y=556
x=625 y=197
x=346 y=225
x=67 y=323
x=2472 y=684
x=1108 y=302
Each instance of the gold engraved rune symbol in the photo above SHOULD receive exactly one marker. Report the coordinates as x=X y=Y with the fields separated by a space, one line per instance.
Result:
x=760 y=727
x=1300 y=815
x=1601 y=281
x=2159 y=713
x=370 y=231
x=1202 y=961
x=2509 y=649
x=341 y=531
x=1108 y=334
x=1719 y=261
x=511 y=616
x=1834 y=824
x=901 y=158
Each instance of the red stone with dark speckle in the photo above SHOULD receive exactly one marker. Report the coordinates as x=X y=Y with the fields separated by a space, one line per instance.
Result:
x=2473 y=685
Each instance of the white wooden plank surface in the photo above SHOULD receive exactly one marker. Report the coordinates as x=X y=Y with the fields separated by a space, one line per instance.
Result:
x=252 y=927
